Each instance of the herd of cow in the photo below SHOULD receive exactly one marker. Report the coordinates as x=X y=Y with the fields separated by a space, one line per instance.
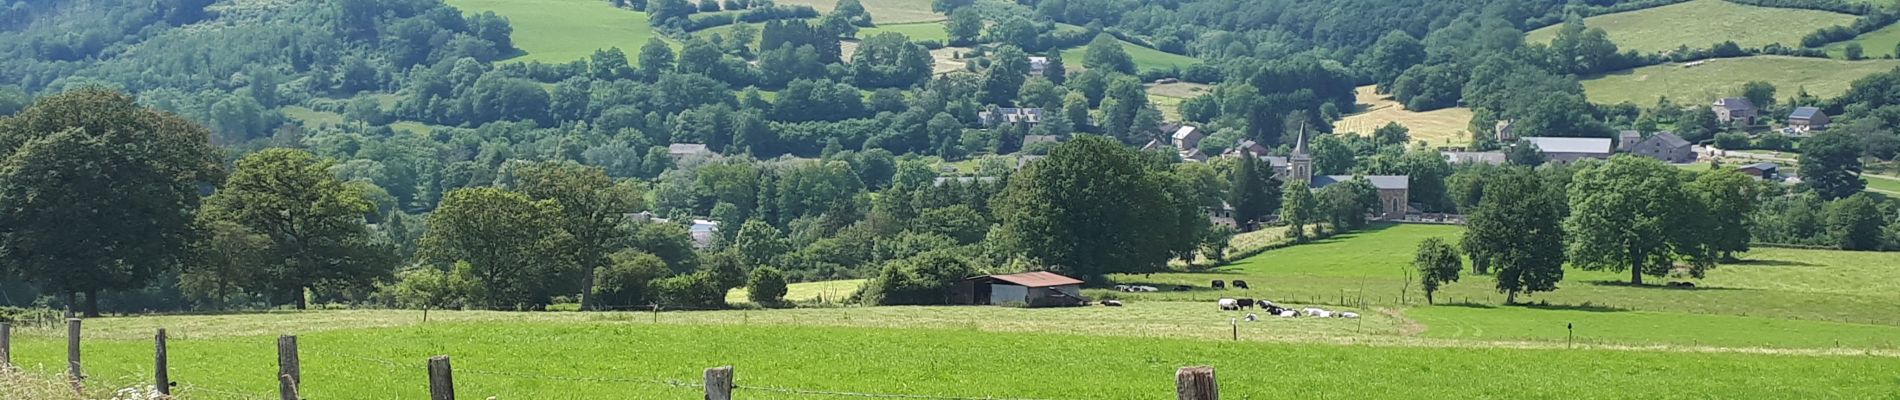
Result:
x=1237 y=304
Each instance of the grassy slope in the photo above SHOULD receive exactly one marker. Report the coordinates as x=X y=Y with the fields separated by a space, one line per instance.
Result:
x=565 y=30
x=1145 y=58
x=1724 y=77
x=1373 y=265
x=1889 y=185
x=1874 y=44
x=916 y=31
x=506 y=357
x=1702 y=23
x=882 y=11
x=1437 y=127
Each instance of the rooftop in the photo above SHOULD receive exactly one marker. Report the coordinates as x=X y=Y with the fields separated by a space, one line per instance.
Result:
x=1383 y=182
x=1034 y=279
x=1572 y=144
x=1474 y=157
x=1804 y=113
x=1669 y=140
x=1735 y=103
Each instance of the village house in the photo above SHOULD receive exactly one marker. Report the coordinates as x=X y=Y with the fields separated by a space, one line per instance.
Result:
x=1030 y=289
x=682 y=150
x=703 y=231
x=1567 y=150
x=1733 y=110
x=1666 y=147
x=1761 y=170
x=1038 y=65
x=1627 y=140
x=1473 y=157
x=1004 y=115
x=1807 y=119
x=1503 y=132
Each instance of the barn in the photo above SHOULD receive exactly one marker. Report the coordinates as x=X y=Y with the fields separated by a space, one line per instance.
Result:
x=1033 y=289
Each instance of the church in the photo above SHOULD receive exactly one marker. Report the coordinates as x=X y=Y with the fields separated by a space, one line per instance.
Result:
x=1393 y=189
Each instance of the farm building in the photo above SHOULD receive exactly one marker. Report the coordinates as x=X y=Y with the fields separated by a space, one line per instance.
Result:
x=1567 y=150
x=1033 y=289
x=1762 y=170
x=1807 y=119
x=1473 y=157
x=1038 y=65
x=1665 y=146
x=1394 y=190
x=1732 y=110
x=682 y=150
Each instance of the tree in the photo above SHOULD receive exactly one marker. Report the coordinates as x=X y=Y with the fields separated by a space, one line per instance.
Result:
x=1629 y=214
x=1518 y=230
x=222 y=263
x=592 y=209
x=1009 y=68
x=1730 y=197
x=1855 y=223
x=1215 y=241
x=946 y=6
x=1345 y=204
x=964 y=27
x=1105 y=53
x=766 y=286
x=1014 y=31
x=1853 y=51
x=852 y=11
x=626 y=280
x=1092 y=208
x=1254 y=193
x=1759 y=93
x=890 y=60
x=1298 y=207
x=510 y=244
x=313 y=222
x=759 y=244
x=1056 y=71
x=656 y=58
x=927 y=278
x=1392 y=133
x=1830 y=163
x=1437 y=264
x=132 y=171
x=1394 y=53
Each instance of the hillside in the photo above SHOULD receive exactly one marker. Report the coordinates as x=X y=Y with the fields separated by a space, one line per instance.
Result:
x=1436 y=127
x=1877 y=44
x=1724 y=77
x=882 y=11
x=1145 y=58
x=556 y=31
x=1701 y=23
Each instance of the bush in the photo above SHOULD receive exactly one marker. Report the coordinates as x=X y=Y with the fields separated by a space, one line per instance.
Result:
x=627 y=279
x=767 y=285
x=695 y=291
x=427 y=288
x=926 y=279
x=1731 y=141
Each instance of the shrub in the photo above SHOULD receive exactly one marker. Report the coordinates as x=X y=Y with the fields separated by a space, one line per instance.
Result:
x=627 y=279
x=695 y=290
x=928 y=278
x=767 y=285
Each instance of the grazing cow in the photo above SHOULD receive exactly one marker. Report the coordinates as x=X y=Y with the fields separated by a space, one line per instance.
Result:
x=1244 y=302
x=1252 y=318
x=1220 y=285
x=1682 y=284
x=1228 y=305
x=1287 y=313
x=1349 y=315
x=1121 y=288
x=1111 y=303
x=1324 y=314
x=1240 y=284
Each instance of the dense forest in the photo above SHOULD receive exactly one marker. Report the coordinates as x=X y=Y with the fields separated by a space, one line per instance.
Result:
x=455 y=176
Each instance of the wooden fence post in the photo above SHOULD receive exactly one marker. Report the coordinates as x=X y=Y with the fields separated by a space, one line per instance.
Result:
x=159 y=375
x=289 y=374
x=719 y=383
x=72 y=352
x=6 y=345
x=441 y=379
x=1196 y=383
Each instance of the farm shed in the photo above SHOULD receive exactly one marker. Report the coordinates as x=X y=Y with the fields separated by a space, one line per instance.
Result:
x=1033 y=289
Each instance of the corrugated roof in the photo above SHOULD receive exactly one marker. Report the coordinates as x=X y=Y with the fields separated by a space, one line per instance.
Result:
x=1572 y=144
x=1035 y=279
x=1805 y=113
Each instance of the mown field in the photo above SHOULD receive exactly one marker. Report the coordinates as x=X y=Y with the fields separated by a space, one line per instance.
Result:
x=1145 y=58
x=1883 y=184
x=882 y=11
x=1724 y=77
x=916 y=31
x=557 y=31
x=1700 y=24
x=1437 y=127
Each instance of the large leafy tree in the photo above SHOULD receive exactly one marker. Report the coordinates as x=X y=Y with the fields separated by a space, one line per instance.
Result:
x=1298 y=207
x=1008 y=70
x=593 y=208
x=1729 y=197
x=1438 y=264
x=1629 y=214
x=1518 y=230
x=97 y=193
x=1092 y=208
x=1105 y=53
x=1830 y=163
x=314 y=223
x=1254 y=193
x=1855 y=223
x=506 y=244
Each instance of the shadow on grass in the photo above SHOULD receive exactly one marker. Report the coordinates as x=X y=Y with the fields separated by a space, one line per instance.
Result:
x=1771 y=263
x=1586 y=307
x=1658 y=287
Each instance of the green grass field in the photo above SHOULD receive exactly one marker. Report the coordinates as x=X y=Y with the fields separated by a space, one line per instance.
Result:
x=380 y=354
x=916 y=31
x=557 y=31
x=1700 y=24
x=1876 y=44
x=1883 y=184
x=827 y=291
x=1145 y=58
x=1725 y=77
x=882 y=11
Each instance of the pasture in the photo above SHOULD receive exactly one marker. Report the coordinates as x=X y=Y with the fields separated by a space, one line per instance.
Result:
x=827 y=291
x=1145 y=58
x=916 y=31
x=1088 y=353
x=558 y=31
x=1700 y=24
x=1876 y=44
x=882 y=11
x=1724 y=77
x=1441 y=127
x=1884 y=184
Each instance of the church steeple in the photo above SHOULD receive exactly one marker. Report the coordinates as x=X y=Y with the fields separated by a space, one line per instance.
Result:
x=1300 y=163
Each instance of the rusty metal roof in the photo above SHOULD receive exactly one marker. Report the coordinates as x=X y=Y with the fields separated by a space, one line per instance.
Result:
x=1035 y=279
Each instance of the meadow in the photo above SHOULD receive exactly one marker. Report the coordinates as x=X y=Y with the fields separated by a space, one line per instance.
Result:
x=1145 y=58
x=1883 y=184
x=1876 y=44
x=1700 y=24
x=1441 y=127
x=558 y=31
x=916 y=31
x=882 y=11
x=1718 y=78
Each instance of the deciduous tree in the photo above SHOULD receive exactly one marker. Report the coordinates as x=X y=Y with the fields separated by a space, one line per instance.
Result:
x=313 y=221
x=1438 y=264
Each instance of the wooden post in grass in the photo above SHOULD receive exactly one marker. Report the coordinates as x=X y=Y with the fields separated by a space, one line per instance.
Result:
x=72 y=352
x=1196 y=383
x=289 y=374
x=6 y=345
x=441 y=379
x=159 y=376
x=719 y=383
